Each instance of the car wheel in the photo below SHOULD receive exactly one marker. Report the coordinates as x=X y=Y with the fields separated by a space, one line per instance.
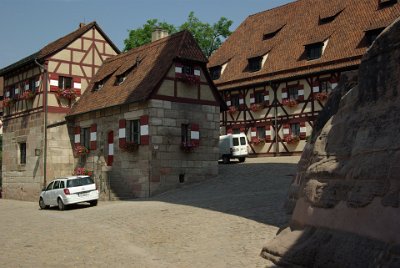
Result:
x=225 y=159
x=93 y=203
x=42 y=205
x=61 y=205
x=242 y=159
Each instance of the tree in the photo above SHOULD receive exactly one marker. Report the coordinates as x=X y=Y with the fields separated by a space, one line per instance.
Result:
x=209 y=37
x=142 y=35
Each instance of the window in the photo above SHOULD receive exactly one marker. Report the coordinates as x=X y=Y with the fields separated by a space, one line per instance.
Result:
x=64 y=82
x=293 y=93
x=186 y=69
x=261 y=132
x=62 y=185
x=236 y=131
x=314 y=51
x=22 y=153
x=186 y=134
x=235 y=100
x=243 y=141
x=295 y=129
x=98 y=86
x=133 y=131
x=57 y=185
x=371 y=35
x=12 y=92
x=85 y=137
x=272 y=34
x=255 y=64
x=120 y=79
x=235 y=141
x=328 y=19
x=259 y=97
x=50 y=186
x=215 y=72
x=32 y=84
x=325 y=86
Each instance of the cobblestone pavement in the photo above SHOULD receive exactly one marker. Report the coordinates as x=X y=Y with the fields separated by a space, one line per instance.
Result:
x=223 y=222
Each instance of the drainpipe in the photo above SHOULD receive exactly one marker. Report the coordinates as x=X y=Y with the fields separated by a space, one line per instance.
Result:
x=43 y=69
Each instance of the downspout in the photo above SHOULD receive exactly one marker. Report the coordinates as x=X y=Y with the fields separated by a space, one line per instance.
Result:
x=43 y=69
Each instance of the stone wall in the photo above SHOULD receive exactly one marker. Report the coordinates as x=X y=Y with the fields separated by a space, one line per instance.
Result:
x=346 y=192
x=23 y=181
x=169 y=162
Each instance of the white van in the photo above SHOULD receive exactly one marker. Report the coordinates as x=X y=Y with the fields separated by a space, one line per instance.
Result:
x=233 y=146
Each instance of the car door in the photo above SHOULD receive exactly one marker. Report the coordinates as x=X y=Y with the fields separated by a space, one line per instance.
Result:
x=47 y=194
x=54 y=193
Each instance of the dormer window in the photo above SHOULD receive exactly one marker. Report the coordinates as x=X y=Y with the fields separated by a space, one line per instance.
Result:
x=215 y=72
x=328 y=19
x=99 y=85
x=255 y=64
x=272 y=33
x=386 y=3
x=371 y=35
x=314 y=51
x=120 y=79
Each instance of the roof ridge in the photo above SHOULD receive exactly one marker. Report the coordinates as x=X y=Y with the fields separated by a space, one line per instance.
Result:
x=146 y=46
x=278 y=7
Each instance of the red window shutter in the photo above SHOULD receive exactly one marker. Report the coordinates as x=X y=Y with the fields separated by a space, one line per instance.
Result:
x=195 y=135
x=284 y=93
x=268 y=134
x=93 y=137
x=229 y=131
x=144 y=130
x=242 y=130
x=266 y=98
x=252 y=100
x=53 y=82
x=286 y=130
x=110 y=143
x=122 y=133
x=76 y=85
x=303 y=130
x=253 y=134
x=77 y=136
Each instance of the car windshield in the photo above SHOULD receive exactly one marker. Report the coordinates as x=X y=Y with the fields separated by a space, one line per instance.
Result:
x=79 y=182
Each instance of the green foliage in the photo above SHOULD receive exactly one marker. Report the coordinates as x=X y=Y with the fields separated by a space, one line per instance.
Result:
x=209 y=37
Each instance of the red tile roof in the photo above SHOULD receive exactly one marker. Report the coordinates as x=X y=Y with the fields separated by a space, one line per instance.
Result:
x=147 y=66
x=302 y=26
x=56 y=46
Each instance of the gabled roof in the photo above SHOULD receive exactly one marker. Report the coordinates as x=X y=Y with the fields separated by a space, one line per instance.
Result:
x=56 y=46
x=146 y=65
x=346 y=30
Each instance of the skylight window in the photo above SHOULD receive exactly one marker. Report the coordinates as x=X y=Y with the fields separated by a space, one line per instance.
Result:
x=120 y=79
x=99 y=85
x=386 y=3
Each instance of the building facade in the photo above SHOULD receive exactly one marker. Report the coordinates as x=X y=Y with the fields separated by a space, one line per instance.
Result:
x=149 y=120
x=39 y=90
x=277 y=69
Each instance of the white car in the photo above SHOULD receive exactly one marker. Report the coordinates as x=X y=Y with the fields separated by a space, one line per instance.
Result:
x=70 y=190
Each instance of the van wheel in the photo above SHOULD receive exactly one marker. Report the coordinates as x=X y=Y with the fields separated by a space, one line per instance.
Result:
x=242 y=159
x=61 y=205
x=93 y=203
x=226 y=159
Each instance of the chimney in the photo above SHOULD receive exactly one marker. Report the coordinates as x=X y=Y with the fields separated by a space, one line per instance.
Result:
x=158 y=34
x=81 y=24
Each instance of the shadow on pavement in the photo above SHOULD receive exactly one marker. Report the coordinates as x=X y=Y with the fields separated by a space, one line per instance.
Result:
x=256 y=191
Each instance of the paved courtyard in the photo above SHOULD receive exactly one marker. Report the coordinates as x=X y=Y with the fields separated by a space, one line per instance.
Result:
x=223 y=222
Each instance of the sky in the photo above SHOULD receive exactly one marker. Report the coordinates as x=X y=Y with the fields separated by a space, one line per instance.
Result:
x=28 y=25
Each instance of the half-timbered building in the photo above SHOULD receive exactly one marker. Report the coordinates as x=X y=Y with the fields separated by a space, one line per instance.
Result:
x=277 y=69
x=38 y=92
x=149 y=120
